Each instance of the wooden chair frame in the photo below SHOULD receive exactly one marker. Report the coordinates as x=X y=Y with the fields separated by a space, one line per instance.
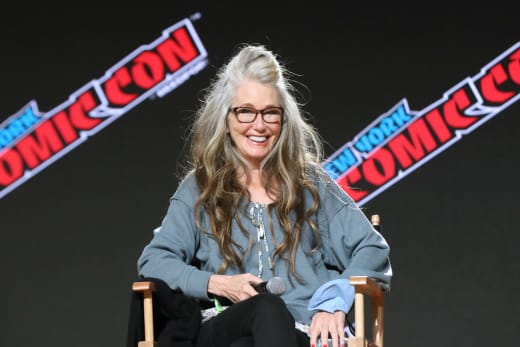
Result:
x=146 y=288
x=367 y=288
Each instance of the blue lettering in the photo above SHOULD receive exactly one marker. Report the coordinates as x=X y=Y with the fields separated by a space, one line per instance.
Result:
x=331 y=170
x=28 y=118
x=345 y=160
x=363 y=145
x=388 y=126
x=17 y=127
x=376 y=136
x=400 y=116
x=5 y=138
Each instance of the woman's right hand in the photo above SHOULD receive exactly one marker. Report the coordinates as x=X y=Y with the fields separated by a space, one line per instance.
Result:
x=234 y=287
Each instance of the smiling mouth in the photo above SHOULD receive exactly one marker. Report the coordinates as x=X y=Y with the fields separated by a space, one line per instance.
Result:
x=258 y=139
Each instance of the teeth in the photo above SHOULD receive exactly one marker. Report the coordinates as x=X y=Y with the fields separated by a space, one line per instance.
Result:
x=258 y=138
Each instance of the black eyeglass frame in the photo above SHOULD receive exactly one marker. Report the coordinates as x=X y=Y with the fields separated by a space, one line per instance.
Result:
x=262 y=112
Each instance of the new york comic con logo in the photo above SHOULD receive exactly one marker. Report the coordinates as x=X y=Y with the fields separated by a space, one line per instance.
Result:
x=30 y=140
x=400 y=141
x=392 y=146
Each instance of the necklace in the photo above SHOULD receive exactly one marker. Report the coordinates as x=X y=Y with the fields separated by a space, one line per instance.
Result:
x=256 y=214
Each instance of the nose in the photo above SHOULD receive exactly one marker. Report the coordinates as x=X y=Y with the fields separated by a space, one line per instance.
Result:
x=259 y=123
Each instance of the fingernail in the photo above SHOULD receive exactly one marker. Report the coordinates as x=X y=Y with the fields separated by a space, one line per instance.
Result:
x=313 y=345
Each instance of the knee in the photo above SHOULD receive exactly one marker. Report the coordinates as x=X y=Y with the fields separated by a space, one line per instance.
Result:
x=271 y=305
x=268 y=299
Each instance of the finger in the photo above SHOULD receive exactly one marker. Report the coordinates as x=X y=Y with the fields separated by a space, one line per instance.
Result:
x=334 y=337
x=252 y=278
x=250 y=292
x=248 y=289
x=324 y=337
x=342 y=337
x=313 y=336
x=340 y=324
x=336 y=333
x=334 y=340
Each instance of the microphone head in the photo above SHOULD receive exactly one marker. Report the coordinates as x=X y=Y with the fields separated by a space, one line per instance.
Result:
x=276 y=286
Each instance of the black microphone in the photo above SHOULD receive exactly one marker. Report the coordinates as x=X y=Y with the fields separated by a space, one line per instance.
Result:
x=275 y=285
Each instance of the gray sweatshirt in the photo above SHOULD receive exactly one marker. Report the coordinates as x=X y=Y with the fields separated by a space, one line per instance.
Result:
x=349 y=246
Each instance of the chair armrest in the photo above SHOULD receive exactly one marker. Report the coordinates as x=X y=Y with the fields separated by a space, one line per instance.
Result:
x=365 y=286
x=143 y=286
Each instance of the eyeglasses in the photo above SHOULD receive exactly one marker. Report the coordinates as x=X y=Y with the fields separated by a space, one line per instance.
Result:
x=246 y=114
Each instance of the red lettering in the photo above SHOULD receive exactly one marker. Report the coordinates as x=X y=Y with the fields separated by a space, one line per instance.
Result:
x=148 y=70
x=183 y=49
x=79 y=112
x=62 y=123
x=459 y=101
x=438 y=125
x=420 y=138
x=379 y=167
x=114 y=88
x=11 y=167
x=514 y=67
x=489 y=88
x=40 y=147
x=345 y=182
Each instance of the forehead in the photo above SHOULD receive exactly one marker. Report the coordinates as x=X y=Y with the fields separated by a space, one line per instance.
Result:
x=256 y=93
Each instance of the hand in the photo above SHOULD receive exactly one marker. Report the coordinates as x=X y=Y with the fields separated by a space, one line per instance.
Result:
x=235 y=287
x=325 y=324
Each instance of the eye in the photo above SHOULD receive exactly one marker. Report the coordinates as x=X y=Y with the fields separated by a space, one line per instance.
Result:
x=244 y=111
x=272 y=115
x=273 y=112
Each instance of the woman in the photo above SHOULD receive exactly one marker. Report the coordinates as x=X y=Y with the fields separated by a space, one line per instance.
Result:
x=255 y=204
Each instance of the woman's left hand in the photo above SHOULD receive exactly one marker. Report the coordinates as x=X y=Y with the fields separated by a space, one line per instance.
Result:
x=325 y=324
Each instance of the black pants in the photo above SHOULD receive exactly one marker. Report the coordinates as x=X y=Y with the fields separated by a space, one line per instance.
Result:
x=260 y=321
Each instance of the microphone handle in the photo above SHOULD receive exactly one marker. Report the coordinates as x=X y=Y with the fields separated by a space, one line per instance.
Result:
x=259 y=287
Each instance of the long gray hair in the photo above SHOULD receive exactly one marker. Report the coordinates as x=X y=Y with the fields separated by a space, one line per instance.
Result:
x=285 y=171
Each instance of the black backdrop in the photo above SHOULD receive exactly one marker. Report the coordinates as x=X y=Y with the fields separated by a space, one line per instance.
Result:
x=71 y=235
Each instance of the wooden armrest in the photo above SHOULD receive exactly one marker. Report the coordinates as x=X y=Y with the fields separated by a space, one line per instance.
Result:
x=143 y=286
x=367 y=286
x=147 y=288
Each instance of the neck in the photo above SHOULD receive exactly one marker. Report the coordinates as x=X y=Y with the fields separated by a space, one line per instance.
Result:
x=256 y=186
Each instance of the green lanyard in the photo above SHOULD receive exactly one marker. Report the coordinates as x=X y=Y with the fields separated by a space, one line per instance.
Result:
x=218 y=306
